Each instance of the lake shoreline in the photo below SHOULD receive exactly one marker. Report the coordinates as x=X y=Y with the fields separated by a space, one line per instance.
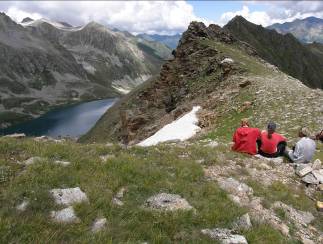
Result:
x=55 y=118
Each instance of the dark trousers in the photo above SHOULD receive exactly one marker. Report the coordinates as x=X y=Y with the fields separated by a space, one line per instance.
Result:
x=280 y=150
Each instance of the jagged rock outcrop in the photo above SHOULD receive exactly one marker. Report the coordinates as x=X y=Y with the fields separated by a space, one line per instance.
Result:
x=179 y=86
x=45 y=64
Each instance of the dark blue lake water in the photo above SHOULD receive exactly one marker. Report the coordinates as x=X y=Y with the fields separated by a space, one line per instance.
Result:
x=72 y=121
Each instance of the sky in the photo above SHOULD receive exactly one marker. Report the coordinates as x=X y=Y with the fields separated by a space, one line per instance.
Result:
x=161 y=17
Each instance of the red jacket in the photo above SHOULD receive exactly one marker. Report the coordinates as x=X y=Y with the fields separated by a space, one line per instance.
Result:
x=244 y=139
x=270 y=145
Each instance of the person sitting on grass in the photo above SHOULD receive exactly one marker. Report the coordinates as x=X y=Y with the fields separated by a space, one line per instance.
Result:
x=245 y=138
x=304 y=149
x=271 y=144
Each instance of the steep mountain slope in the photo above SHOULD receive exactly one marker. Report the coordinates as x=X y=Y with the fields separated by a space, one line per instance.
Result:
x=169 y=40
x=46 y=63
x=306 y=30
x=284 y=51
x=316 y=48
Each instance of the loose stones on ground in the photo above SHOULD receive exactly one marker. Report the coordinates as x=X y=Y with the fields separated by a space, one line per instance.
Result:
x=225 y=236
x=167 y=202
x=297 y=216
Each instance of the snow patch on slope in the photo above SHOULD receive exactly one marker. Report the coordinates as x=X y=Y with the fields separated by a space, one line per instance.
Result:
x=180 y=129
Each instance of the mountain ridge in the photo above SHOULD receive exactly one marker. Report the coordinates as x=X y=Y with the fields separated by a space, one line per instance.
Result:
x=280 y=50
x=306 y=30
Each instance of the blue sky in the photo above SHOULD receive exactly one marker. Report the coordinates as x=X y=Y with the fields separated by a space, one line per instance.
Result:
x=213 y=10
x=162 y=17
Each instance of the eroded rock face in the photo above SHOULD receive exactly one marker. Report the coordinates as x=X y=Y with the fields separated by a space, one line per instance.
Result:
x=167 y=202
x=68 y=196
x=225 y=236
x=66 y=215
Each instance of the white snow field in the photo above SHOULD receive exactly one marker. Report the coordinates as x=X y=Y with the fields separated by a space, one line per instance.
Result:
x=180 y=129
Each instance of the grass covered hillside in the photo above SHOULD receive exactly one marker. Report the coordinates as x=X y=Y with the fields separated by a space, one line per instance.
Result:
x=100 y=171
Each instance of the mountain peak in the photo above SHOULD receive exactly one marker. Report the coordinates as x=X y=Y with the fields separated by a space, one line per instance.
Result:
x=27 y=19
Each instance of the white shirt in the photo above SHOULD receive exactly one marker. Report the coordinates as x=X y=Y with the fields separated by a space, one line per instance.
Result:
x=304 y=151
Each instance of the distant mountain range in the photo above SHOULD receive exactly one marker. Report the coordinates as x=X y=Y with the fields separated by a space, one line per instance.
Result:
x=44 y=64
x=169 y=40
x=284 y=51
x=306 y=30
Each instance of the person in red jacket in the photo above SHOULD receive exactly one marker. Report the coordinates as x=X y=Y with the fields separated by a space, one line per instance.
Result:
x=271 y=144
x=245 y=138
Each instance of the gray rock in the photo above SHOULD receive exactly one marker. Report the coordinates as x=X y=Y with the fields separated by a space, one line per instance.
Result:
x=68 y=196
x=16 y=135
x=243 y=223
x=33 y=160
x=235 y=187
x=297 y=216
x=22 y=206
x=99 y=224
x=310 y=179
x=106 y=157
x=318 y=175
x=63 y=163
x=227 y=61
x=317 y=164
x=167 y=202
x=212 y=144
x=225 y=236
x=117 y=201
x=302 y=171
x=121 y=192
x=66 y=215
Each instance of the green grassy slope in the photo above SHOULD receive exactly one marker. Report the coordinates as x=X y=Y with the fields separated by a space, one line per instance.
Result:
x=144 y=172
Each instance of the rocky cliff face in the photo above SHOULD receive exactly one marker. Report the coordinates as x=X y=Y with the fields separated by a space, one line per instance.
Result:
x=284 y=51
x=45 y=64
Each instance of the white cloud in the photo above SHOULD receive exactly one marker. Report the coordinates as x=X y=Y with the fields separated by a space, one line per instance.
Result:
x=277 y=12
x=257 y=17
x=165 y=17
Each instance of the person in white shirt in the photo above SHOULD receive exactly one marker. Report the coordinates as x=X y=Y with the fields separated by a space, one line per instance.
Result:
x=304 y=149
